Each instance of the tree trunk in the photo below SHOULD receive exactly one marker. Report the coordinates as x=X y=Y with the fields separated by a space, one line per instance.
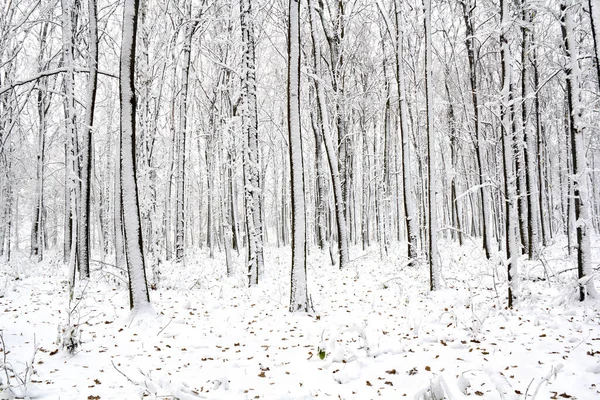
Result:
x=83 y=221
x=410 y=213
x=182 y=142
x=510 y=214
x=338 y=196
x=539 y=159
x=138 y=288
x=299 y=301
x=595 y=20
x=580 y=186
x=252 y=187
x=528 y=153
x=478 y=140
x=432 y=255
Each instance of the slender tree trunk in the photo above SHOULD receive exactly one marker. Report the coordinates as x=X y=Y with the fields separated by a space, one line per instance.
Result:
x=580 y=186
x=299 y=301
x=454 y=213
x=432 y=255
x=83 y=221
x=320 y=184
x=594 y=6
x=138 y=288
x=68 y=82
x=182 y=141
x=528 y=153
x=479 y=141
x=540 y=162
x=410 y=213
x=254 y=220
x=510 y=214
x=338 y=197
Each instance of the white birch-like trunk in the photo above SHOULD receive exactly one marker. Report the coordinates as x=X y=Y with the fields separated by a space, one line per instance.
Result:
x=299 y=292
x=138 y=289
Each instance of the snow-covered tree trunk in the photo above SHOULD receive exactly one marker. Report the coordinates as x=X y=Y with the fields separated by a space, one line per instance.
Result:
x=138 y=289
x=410 y=213
x=321 y=181
x=342 y=230
x=299 y=301
x=594 y=6
x=478 y=140
x=252 y=185
x=434 y=273
x=37 y=225
x=83 y=220
x=68 y=84
x=583 y=222
x=182 y=135
x=510 y=214
x=454 y=212
x=539 y=159
x=528 y=151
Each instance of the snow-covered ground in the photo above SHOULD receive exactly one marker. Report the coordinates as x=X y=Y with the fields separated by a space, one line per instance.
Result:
x=376 y=332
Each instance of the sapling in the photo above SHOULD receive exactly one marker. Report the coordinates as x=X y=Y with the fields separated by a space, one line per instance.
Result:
x=21 y=378
x=69 y=335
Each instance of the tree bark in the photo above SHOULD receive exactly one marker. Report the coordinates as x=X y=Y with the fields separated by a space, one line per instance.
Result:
x=510 y=214
x=338 y=196
x=299 y=301
x=138 y=288
x=478 y=140
x=252 y=187
x=83 y=221
x=410 y=213
x=583 y=221
x=432 y=255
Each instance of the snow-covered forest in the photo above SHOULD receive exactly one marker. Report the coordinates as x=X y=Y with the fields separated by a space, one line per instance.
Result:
x=297 y=199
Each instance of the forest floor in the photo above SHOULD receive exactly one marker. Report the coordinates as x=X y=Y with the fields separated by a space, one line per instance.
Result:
x=377 y=332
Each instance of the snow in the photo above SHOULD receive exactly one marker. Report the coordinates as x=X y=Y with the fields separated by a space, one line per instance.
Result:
x=383 y=334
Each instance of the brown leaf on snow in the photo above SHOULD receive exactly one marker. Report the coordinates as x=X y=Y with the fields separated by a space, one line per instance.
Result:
x=90 y=397
x=369 y=383
x=53 y=352
x=389 y=383
x=262 y=374
x=478 y=393
x=391 y=371
x=428 y=368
